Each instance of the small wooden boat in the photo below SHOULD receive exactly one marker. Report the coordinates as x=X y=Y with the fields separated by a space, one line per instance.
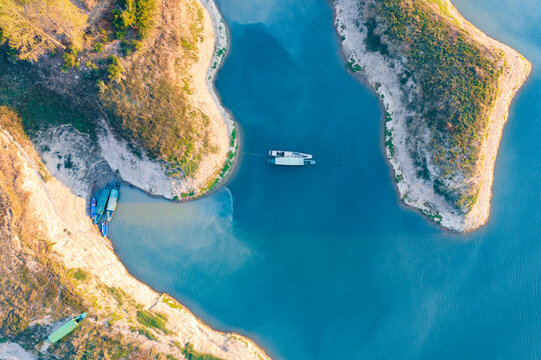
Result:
x=103 y=228
x=295 y=154
x=93 y=208
x=111 y=203
x=102 y=202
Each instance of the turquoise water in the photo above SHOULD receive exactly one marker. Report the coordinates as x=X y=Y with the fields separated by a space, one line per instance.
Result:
x=324 y=262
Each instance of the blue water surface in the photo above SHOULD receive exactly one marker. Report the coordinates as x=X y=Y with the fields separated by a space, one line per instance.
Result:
x=324 y=262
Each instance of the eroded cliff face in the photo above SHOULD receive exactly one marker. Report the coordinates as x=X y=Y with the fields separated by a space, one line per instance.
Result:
x=55 y=264
x=446 y=88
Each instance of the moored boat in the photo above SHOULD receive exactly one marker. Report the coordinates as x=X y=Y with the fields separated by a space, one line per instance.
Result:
x=290 y=158
x=102 y=202
x=66 y=328
x=111 y=203
x=103 y=228
x=296 y=154
x=93 y=208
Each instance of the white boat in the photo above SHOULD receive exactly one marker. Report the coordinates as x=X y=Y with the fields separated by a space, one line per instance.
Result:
x=289 y=154
x=290 y=158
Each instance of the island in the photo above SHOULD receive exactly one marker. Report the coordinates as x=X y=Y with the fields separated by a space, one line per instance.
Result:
x=90 y=92
x=446 y=88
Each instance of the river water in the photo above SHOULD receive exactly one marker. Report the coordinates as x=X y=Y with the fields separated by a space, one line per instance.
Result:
x=324 y=262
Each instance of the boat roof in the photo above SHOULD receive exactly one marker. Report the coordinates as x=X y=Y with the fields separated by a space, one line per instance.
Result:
x=293 y=161
x=286 y=153
x=113 y=197
x=64 y=330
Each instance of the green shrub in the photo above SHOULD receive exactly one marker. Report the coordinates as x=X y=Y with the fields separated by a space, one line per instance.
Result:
x=144 y=19
x=91 y=66
x=130 y=46
x=99 y=47
x=78 y=274
x=101 y=86
x=134 y=14
x=115 y=69
x=70 y=61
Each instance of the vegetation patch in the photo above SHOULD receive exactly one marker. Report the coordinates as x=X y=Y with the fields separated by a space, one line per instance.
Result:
x=151 y=320
x=433 y=215
x=130 y=46
x=70 y=59
x=78 y=274
x=38 y=106
x=137 y=15
x=388 y=135
x=191 y=354
x=353 y=66
x=145 y=332
x=115 y=69
x=171 y=303
x=118 y=294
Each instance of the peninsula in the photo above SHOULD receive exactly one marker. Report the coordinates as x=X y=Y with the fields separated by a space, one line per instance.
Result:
x=446 y=89
x=121 y=88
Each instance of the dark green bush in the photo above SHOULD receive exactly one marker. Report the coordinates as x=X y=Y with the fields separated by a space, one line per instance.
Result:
x=130 y=46
x=99 y=47
x=70 y=61
x=134 y=14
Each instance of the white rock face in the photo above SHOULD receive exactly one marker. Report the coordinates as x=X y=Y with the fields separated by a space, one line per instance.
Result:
x=12 y=351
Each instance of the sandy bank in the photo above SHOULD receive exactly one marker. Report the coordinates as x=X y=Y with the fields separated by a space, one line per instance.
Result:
x=384 y=74
x=77 y=244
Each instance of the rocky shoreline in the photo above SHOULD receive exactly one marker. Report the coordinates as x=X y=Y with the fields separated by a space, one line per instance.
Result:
x=384 y=74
